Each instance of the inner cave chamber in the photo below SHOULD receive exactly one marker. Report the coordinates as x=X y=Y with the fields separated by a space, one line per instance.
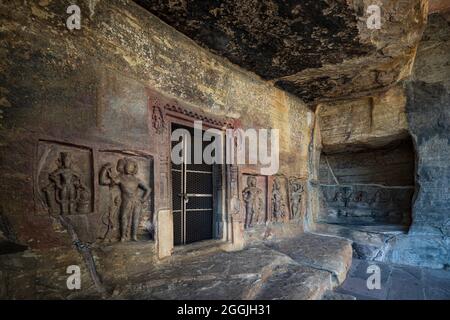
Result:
x=372 y=189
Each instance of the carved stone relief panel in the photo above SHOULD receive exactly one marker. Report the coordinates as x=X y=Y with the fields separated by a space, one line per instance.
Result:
x=126 y=198
x=158 y=119
x=369 y=203
x=254 y=198
x=279 y=208
x=64 y=179
x=296 y=197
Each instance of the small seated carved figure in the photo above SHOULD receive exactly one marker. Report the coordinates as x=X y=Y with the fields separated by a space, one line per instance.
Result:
x=253 y=203
x=84 y=198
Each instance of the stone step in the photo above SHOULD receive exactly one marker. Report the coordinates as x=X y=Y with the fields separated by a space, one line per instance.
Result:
x=317 y=251
x=368 y=242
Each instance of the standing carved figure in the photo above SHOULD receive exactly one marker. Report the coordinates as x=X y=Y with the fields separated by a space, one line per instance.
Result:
x=132 y=200
x=345 y=196
x=66 y=192
x=253 y=203
x=296 y=197
x=158 y=119
x=277 y=201
x=110 y=218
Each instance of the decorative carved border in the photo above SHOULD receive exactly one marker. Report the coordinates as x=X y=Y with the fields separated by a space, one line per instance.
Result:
x=227 y=123
x=170 y=106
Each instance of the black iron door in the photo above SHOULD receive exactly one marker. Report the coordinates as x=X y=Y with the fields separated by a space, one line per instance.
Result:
x=192 y=195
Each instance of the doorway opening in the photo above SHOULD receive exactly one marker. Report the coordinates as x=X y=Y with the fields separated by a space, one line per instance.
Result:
x=196 y=193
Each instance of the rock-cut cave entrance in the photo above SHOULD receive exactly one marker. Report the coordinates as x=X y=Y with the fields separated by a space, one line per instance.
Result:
x=369 y=189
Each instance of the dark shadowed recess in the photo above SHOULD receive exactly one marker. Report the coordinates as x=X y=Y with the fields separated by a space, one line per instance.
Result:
x=369 y=187
x=273 y=38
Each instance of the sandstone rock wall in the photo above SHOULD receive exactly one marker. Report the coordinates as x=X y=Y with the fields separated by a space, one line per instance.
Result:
x=82 y=99
x=417 y=108
x=428 y=110
x=360 y=124
x=86 y=92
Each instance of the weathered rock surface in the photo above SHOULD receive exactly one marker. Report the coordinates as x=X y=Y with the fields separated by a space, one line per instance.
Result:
x=42 y=275
x=217 y=276
x=333 y=295
x=420 y=109
x=398 y=282
x=428 y=110
x=368 y=243
x=118 y=262
x=297 y=268
x=314 y=49
x=254 y=273
x=326 y=253
x=94 y=89
x=393 y=166
x=439 y=6
x=364 y=123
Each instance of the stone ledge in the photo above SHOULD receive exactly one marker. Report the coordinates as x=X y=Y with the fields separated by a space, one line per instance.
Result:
x=321 y=252
x=257 y=272
x=301 y=268
x=366 y=245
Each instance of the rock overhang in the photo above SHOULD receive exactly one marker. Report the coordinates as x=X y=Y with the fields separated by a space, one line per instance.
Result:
x=315 y=49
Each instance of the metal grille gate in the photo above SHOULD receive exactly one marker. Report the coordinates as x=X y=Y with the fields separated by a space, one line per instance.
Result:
x=192 y=196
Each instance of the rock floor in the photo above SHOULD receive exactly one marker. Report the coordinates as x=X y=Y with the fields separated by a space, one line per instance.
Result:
x=397 y=283
x=306 y=267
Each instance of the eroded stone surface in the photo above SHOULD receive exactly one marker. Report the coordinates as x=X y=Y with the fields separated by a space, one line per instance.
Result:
x=333 y=295
x=398 y=282
x=96 y=90
x=314 y=49
x=428 y=110
x=327 y=253
x=254 y=273
x=303 y=270
x=359 y=124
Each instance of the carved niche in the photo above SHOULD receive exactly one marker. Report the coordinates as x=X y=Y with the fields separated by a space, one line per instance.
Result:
x=125 y=197
x=64 y=179
x=296 y=198
x=278 y=200
x=254 y=195
x=372 y=203
x=158 y=119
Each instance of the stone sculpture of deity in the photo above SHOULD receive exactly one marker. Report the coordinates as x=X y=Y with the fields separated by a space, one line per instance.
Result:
x=133 y=192
x=296 y=197
x=278 y=207
x=110 y=217
x=66 y=193
x=253 y=202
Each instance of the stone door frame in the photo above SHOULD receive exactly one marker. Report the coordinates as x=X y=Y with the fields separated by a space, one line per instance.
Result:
x=173 y=113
